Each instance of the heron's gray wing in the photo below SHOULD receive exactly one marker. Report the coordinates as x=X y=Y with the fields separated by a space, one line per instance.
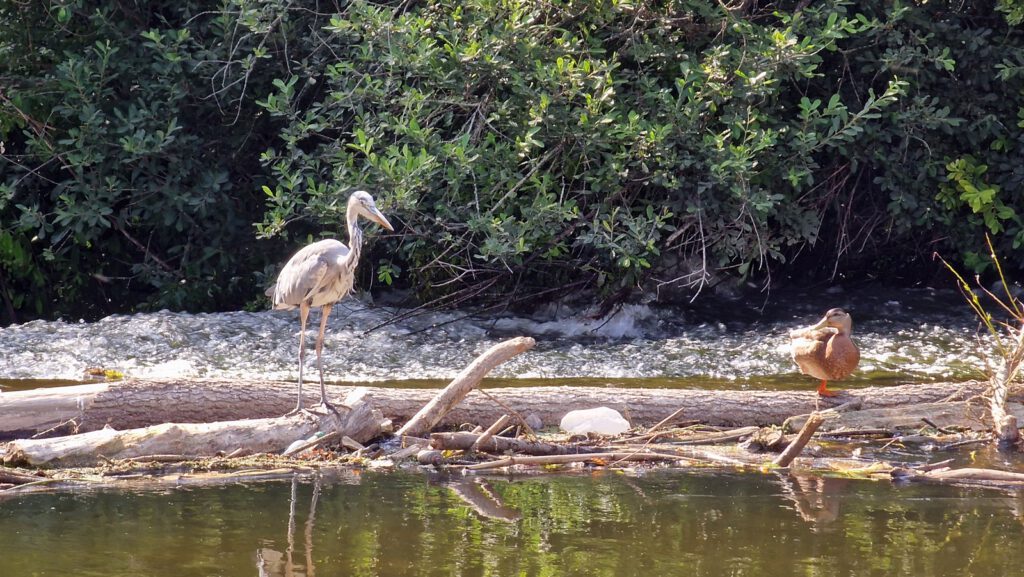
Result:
x=305 y=272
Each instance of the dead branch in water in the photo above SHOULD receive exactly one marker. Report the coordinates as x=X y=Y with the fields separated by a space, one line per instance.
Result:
x=465 y=382
x=798 y=444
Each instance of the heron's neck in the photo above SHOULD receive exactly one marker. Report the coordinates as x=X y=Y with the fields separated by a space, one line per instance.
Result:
x=355 y=240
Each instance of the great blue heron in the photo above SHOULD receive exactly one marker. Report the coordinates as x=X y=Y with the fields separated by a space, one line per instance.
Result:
x=320 y=275
x=825 y=350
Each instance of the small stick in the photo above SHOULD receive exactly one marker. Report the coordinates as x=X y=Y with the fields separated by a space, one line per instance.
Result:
x=666 y=420
x=408 y=441
x=958 y=444
x=856 y=433
x=722 y=437
x=530 y=434
x=405 y=453
x=7 y=476
x=351 y=444
x=68 y=427
x=160 y=459
x=486 y=436
x=931 y=424
x=309 y=445
x=578 y=458
x=17 y=488
x=793 y=450
x=239 y=452
x=933 y=466
x=853 y=405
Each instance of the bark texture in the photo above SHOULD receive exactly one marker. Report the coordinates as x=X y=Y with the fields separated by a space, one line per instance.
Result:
x=140 y=403
x=272 y=435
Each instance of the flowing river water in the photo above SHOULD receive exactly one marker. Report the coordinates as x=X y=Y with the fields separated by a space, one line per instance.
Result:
x=635 y=522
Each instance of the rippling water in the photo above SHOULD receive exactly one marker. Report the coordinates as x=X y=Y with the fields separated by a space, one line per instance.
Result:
x=917 y=335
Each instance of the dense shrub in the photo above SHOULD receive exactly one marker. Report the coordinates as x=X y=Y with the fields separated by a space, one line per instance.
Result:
x=130 y=171
x=531 y=145
x=523 y=147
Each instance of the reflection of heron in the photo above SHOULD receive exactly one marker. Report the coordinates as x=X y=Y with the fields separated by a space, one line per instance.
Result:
x=320 y=275
x=825 y=350
x=270 y=562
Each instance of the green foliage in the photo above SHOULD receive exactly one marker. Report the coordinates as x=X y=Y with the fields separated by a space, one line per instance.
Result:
x=122 y=180
x=521 y=147
x=526 y=144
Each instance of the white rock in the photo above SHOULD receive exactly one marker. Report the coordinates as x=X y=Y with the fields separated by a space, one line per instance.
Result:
x=600 y=420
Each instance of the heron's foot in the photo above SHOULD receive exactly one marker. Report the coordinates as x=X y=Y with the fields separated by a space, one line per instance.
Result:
x=325 y=407
x=312 y=413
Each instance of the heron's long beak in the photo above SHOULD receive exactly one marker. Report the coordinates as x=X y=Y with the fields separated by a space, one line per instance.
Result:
x=380 y=219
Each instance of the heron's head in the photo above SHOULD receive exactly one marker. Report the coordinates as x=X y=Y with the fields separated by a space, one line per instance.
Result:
x=362 y=204
x=837 y=318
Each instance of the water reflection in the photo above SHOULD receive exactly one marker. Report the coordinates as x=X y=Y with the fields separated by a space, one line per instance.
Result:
x=271 y=562
x=604 y=524
x=816 y=499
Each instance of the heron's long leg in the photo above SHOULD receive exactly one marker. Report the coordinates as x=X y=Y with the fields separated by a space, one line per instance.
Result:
x=324 y=312
x=303 y=315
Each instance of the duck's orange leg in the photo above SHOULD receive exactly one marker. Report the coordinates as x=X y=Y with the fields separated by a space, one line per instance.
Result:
x=823 y=389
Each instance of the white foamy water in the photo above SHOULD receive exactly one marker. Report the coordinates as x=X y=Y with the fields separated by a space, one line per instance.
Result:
x=923 y=337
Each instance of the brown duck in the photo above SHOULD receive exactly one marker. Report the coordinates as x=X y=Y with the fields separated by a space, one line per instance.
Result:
x=825 y=350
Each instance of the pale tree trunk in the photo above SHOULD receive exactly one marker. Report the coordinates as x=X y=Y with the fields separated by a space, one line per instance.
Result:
x=1004 y=421
x=360 y=422
x=141 y=403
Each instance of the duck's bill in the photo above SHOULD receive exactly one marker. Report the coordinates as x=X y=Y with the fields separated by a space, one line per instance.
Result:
x=821 y=324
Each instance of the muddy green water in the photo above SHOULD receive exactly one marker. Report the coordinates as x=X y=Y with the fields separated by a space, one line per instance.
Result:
x=613 y=524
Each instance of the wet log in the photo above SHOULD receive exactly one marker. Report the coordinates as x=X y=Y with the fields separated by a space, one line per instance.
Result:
x=271 y=435
x=139 y=403
x=973 y=416
x=966 y=475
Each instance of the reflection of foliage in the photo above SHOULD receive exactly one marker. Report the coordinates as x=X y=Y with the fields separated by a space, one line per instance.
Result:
x=607 y=524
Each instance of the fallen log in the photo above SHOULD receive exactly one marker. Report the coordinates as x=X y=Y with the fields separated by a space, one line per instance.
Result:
x=963 y=414
x=272 y=435
x=139 y=403
x=967 y=475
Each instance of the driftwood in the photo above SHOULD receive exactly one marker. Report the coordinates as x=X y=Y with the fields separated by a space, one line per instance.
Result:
x=607 y=458
x=426 y=418
x=139 y=403
x=490 y=432
x=273 y=435
x=793 y=450
x=966 y=475
x=963 y=414
x=466 y=441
